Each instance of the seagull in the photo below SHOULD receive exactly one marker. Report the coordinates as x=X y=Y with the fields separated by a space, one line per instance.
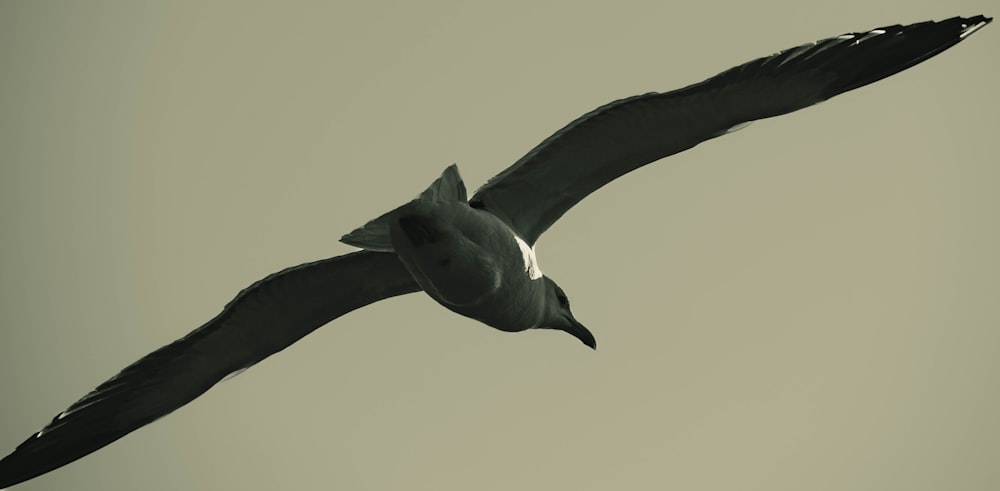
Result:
x=476 y=256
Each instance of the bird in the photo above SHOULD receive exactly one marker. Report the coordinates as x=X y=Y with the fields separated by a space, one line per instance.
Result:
x=476 y=256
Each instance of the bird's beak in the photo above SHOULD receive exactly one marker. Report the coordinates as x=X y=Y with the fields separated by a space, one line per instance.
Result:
x=579 y=332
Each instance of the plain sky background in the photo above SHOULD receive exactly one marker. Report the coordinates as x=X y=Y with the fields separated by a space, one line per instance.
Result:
x=810 y=303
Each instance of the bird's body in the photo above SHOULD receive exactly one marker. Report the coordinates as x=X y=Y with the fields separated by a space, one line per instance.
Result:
x=467 y=259
x=475 y=256
x=457 y=254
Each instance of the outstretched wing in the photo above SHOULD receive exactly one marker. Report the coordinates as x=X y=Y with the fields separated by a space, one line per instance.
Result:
x=624 y=135
x=263 y=319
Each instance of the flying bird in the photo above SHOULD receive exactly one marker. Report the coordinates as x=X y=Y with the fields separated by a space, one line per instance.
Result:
x=476 y=256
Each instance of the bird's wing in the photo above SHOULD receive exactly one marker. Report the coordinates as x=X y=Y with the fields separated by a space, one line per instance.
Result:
x=624 y=135
x=263 y=319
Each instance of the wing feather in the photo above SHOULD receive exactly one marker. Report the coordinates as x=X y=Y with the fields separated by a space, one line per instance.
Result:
x=263 y=319
x=624 y=135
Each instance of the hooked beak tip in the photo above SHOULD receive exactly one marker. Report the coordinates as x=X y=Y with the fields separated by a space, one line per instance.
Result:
x=582 y=333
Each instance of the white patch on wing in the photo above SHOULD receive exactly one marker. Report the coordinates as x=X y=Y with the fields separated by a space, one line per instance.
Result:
x=738 y=127
x=530 y=261
x=970 y=30
x=234 y=373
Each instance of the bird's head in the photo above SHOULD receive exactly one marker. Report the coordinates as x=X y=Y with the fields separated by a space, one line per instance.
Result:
x=558 y=315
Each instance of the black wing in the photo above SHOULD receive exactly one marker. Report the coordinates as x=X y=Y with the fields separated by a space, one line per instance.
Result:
x=624 y=135
x=263 y=319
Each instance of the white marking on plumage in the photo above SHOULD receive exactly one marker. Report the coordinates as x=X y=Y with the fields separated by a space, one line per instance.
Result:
x=530 y=261
x=970 y=30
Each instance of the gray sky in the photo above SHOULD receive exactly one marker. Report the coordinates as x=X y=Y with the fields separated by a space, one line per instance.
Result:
x=809 y=303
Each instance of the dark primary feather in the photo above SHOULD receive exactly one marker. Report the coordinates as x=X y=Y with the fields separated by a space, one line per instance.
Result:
x=624 y=135
x=263 y=319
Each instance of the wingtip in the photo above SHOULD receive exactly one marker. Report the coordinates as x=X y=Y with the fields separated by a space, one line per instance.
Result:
x=974 y=24
x=873 y=58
